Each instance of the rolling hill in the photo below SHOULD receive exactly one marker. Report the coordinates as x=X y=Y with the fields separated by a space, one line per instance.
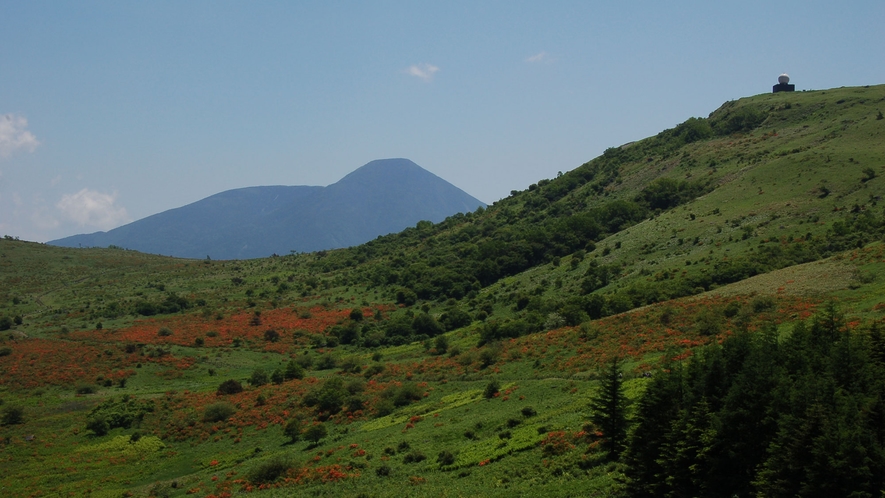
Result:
x=379 y=198
x=720 y=284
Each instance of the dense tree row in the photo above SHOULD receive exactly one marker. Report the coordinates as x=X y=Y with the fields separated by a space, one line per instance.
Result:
x=799 y=416
x=401 y=328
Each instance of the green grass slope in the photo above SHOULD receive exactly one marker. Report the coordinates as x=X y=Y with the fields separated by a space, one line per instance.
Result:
x=452 y=359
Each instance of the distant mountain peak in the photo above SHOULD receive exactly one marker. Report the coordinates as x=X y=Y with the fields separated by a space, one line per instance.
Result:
x=380 y=197
x=391 y=164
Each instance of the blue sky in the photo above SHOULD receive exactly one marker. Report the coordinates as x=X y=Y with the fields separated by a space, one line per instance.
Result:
x=112 y=111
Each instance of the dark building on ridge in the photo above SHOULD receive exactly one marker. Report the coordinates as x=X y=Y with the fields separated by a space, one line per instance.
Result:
x=783 y=84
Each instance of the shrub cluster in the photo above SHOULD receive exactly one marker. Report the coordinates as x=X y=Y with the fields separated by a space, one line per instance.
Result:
x=125 y=413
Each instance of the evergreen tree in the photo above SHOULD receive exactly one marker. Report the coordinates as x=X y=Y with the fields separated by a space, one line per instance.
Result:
x=877 y=343
x=609 y=411
x=686 y=456
x=800 y=416
x=657 y=409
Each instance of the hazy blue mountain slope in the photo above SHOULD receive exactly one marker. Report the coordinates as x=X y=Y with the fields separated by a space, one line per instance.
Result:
x=381 y=197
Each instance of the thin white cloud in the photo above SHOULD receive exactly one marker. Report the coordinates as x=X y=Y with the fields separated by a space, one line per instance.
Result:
x=92 y=208
x=14 y=135
x=423 y=71
x=539 y=57
x=43 y=219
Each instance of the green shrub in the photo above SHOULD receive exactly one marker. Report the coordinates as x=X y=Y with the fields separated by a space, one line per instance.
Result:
x=407 y=393
x=12 y=415
x=425 y=324
x=113 y=413
x=740 y=121
x=326 y=362
x=373 y=370
x=492 y=388
x=350 y=364
x=708 y=323
x=455 y=319
x=327 y=398
x=230 y=386
x=732 y=309
x=218 y=412
x=292 y=430
x=294 y=370
x=315 y=433
x=762 y=303
x=445 y=458
x=305 y=360
x=98 y=425
x=441 y=344
x=258 y=378
x=528 y=411
x=268 y=472
x=489 y=355
x=384 y=407
x=277 y=376
x=414 y=456
x=354 y=403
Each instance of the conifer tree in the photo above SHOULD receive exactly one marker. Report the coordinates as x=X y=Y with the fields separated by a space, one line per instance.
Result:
x=609 y=411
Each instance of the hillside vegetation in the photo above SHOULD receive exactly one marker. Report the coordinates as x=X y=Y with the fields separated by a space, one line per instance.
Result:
x=693 y=314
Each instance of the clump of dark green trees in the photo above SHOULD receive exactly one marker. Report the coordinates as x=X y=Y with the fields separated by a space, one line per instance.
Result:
x=762 y=415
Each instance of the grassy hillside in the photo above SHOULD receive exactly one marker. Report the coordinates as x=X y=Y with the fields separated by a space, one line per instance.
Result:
x=452 y=359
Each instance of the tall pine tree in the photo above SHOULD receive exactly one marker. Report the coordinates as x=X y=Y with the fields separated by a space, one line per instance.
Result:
x=609 y=411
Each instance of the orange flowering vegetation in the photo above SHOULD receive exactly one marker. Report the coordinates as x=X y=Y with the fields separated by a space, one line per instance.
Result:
x=870 y=254
x=670 y=327
x=561 y=442
x=300 y=475
x=181 y=418
x=290 y=325
x=556 y=443
x=39 y=362
x=315 y=469
x=436 y=367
